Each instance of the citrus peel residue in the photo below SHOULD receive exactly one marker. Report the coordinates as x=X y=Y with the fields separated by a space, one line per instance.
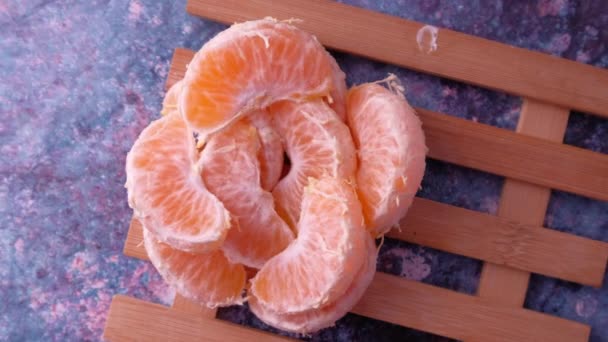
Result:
x=426 y=38
x=266 y=180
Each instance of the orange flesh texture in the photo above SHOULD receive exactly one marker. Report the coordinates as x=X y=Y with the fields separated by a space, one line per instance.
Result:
x=337 y=96
x=318 y=144
x=326 y=316
x=391 y=154
x=271 y=152
x=167 y=194
x=231 y=171
x=208 y=279
x=251 y=65
x=321 y=263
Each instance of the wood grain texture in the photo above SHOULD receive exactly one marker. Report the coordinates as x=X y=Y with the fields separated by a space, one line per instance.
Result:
x=460 y=316
x=458 y=56
x=134 y=245
x=526 y=203
x=130 y=319
x=179 y=64
x=495 y=150
x=504 y=242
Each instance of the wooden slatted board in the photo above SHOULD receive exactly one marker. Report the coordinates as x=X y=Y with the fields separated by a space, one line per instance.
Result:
x=512 y=243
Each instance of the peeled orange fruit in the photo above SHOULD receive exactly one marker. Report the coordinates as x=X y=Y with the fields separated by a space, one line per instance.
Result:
x=320 y=264
x=391 y=152
x=249 y=66
x=317 y=142
x=271 y=152
x=337 y=96
x=230 y=169
x=314 y=320
x=207 y=278
x=290 y=178
x=166 y=191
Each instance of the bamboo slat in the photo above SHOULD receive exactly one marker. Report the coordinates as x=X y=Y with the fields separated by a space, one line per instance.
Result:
x=525 y=203
x=460 y=316
x=131 y=319
x=504 y=242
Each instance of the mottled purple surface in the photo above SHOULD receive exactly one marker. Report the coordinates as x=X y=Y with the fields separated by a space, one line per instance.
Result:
x=79 y=81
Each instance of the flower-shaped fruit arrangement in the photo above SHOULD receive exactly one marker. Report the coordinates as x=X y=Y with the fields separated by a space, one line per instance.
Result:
x=217 y=200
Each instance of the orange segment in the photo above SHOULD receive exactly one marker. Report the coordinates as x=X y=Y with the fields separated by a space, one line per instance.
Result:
x=231 y=170
x=321 y=263
x=391 y=153
x=337 y=96
x=326 y=316
x=167 y=193
x=208 y=278
x=249 y=66
x=271 y=152
x=318 y=144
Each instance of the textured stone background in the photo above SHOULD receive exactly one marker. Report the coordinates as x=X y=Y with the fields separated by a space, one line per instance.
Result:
x=80 y=80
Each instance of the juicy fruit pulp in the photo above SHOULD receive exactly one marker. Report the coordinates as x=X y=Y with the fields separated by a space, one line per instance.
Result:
x=319 y=266
x=318 y=144
x=216 y=210
x=391 y=153
x=325 y=316
x=206 y=278
x=230 y=168
x=167 y=194
x=250 y=66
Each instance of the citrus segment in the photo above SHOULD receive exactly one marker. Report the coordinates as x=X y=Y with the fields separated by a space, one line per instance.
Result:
x=271 y=152
x=251 y=65
x=337 y=96
x=318 y=144
x=320 y=264
x=208 y=278
x=326 y=316
x=167 y=193
x=391 y=153
x=231 y=171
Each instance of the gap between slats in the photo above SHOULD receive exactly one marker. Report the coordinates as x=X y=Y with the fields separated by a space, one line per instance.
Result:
x=495 y=150
x=459 y=56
